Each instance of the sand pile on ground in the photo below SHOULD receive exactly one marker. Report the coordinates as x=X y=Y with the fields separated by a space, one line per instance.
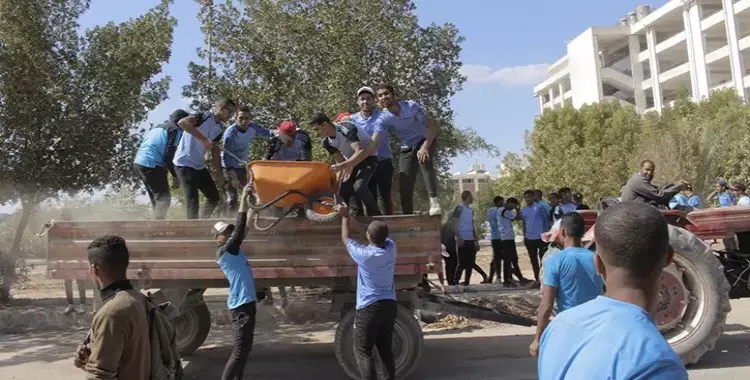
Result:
x=302 y=313
x=17 y=319
x=522 y=305
x=452 y=322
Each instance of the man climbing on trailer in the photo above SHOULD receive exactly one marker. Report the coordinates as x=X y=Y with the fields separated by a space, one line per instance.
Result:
x=154 y=159
x=204 y=131
x=242 y=301
x=346 y=143
x=570 y=278
x=640 y=189
x=290 y=144
x=376 y=295
x=236 y=142
x=417 y=133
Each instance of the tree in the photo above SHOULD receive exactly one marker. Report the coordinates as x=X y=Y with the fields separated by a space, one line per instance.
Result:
x=69 y=103
x=297 y=57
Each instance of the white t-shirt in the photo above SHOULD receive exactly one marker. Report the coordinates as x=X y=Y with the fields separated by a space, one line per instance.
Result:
x=346 y=134
x=743 y=201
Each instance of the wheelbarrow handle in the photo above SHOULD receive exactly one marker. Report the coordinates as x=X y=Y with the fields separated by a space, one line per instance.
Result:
x=241 y=161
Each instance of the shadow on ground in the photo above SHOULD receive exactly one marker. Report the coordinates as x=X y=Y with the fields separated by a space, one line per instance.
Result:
x=731 y=350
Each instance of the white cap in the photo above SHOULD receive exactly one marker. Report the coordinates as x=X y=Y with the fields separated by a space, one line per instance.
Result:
x=220 y=227
x=366 y=89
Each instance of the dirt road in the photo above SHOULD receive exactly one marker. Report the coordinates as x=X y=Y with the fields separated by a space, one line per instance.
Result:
x=294 y=352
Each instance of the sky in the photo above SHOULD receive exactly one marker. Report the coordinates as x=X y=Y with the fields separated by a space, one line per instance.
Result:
x=507 y=49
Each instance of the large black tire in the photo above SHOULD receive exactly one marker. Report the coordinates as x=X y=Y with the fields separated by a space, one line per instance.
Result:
x=708 y=306
x=192 y=329
x=407 y=344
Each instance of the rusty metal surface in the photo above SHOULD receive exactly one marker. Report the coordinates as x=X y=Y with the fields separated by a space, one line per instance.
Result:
x=185 y=249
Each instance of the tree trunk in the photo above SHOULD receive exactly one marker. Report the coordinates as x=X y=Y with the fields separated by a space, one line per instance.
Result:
x=26 y=210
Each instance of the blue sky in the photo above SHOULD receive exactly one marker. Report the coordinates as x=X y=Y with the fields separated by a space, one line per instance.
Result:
x=507 y=49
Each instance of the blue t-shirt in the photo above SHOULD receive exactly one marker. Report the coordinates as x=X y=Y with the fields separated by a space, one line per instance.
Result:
x=678 y=200
x=410 y=126
x=572 y=272
x=505 y=218
x=536 y=219
x=238 y=143
x=240 y=276
x=153 y=148
x=368 y=125
x=492 y=220
x=563 y=209
x=190 y=151
x=375 y=270
x=606 y=339
x=726 y=199
x=465 y=217
x=695 y=201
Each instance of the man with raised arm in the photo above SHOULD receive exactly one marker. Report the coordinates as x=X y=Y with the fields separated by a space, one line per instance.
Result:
x=203 y=132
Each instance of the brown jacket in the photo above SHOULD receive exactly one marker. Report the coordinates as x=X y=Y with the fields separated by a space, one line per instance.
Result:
x=119 y=336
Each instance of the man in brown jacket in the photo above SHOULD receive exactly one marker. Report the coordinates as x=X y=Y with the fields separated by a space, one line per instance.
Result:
x=118 y=343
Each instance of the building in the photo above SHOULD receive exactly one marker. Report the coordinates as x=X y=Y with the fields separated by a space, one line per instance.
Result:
x=650 y=55
x=471 y=180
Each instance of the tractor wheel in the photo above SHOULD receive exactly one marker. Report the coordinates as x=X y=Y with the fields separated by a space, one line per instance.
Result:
x=694 y=297
x=192 y=328
x=407 y=344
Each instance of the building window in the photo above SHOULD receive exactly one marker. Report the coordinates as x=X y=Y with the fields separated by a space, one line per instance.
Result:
x=467 y=180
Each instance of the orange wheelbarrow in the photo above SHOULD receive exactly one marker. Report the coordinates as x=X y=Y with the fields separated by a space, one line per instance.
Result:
x=291 y=185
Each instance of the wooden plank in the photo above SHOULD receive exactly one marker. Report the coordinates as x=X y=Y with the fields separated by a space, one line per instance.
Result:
x=176 y=229
x=206 y=249
x=419 y=259
x=258 y=273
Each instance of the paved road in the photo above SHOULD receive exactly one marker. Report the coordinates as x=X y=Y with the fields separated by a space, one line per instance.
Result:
x=305 y=352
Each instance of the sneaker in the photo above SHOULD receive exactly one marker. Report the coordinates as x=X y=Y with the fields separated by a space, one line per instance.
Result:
x=69 y=309
x=435 y=208
x=510 y=284
x=526 y=282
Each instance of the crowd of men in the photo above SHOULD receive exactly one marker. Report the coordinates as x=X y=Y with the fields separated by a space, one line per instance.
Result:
x=359 y=144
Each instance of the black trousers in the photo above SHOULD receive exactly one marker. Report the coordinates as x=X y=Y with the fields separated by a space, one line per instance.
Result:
x=243 y=324
x=192 y=182
x=356 y=188
x=467 y=261
x=407 y=176
x=536 y=249
x=231 y=191
x=505 y=257
x=373 y=327
x=451 y=262
x=380 y=186
x=157 y=187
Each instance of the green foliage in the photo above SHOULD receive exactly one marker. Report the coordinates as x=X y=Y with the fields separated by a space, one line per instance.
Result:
x=293 y=58
x=595 y=149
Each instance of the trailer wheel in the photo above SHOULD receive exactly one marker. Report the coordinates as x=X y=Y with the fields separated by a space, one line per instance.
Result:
x=192 y=328
x=407 y=344
x=694 y=297
x=320 y=206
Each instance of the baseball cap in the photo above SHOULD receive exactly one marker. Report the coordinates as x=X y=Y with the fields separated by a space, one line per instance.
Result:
x=366 y=89
x=220 y=227
x=288 y=127
x=342 y=116
x=721 y=182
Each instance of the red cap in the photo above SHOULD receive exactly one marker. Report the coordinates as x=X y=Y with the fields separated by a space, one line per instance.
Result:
x=287 y=127
x=342 y=116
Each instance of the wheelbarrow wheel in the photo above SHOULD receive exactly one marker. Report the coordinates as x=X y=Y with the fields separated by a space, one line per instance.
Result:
x=320 y=208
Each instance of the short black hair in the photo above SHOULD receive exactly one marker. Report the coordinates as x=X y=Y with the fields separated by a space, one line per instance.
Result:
x=554 y=195
x=226 y=102
x=498 y=200
x=465 y=195
x=644 y=162
x=564 y=190
x=633 y=236
x=528 y=192
x=572 y=223
x=384 y=86
x=511 y=200
x=178 y=115
x=320 y=118
x=378 y=232
x=538 y=192
x=110 y=254
x=243 y=108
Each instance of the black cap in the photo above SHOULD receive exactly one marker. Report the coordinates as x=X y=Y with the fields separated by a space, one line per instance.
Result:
x=178 y=115
x=320 y=118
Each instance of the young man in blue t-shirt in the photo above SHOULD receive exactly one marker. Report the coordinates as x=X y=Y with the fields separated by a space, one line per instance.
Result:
x=535 y=222
x=376 y=295
x=570 y=277
x=242 y=298
x=203 y=131
x=237 y=139
x=498 y=203
x=154 y=159
x=615 y=336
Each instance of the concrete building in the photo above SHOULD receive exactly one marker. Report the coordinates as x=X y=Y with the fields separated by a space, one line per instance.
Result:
x=650 y=54
x=472 y=180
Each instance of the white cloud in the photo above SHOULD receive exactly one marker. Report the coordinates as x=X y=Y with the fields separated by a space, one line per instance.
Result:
x=509 y=75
